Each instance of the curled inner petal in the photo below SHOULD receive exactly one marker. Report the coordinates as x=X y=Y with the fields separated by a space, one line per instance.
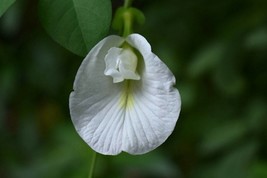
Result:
x=121 y=64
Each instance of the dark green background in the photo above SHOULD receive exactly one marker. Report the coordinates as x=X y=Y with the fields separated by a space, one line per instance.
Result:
x=218 y=53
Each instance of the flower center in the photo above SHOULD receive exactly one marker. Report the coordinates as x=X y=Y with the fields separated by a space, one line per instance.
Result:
x=121 y=64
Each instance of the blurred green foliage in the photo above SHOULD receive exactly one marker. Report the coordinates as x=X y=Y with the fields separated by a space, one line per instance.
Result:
x=4 y=5
x=218 y=53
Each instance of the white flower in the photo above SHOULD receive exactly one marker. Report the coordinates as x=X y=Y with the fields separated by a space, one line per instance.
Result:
x=123 y=98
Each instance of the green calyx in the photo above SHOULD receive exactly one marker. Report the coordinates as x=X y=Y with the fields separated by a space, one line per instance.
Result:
x=125 y=18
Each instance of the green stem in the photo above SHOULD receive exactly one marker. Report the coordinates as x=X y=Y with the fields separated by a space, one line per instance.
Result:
x=127 y=23
x=127 y=18
x=127 y=3
x=92 y=165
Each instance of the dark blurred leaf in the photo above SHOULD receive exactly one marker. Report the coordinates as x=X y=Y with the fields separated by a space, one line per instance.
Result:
x=4 y=5
x=256 y=115
x=149 y=165
x=206 y=60
x=222 y=136
x=236 y=163
x=257 y=39
x=188 y=93
x=68 y=157
x=231 y=165
x=11 y=21
x=228 y=76
x=76 y=24
x=258 y=170
x=230 y=82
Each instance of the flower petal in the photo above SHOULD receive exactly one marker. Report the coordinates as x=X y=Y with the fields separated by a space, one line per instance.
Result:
x=156 y=103
x=134 y=116
x=93 y=103
x=140 y=43
x=112 y=64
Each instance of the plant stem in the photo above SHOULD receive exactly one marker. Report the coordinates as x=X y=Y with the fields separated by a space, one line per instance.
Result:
x=92 y=165
x=127 y=26
x=127 y=3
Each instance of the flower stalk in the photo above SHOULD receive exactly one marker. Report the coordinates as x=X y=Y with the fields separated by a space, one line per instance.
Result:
x=126 y=17
x=92 y=167
x=127 y=23
x=127 y=3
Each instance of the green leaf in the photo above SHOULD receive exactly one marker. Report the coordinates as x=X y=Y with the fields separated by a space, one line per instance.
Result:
x=76 y=24
x=206 y=59
x=258 y=170
x=4 y=5
x=223 y=136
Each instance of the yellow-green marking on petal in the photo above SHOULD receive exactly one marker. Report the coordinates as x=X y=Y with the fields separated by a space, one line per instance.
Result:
x=126 y=99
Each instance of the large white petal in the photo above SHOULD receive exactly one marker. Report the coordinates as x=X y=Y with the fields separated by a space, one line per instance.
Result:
x=156 y=103
x=134 y=116
x=94 y=102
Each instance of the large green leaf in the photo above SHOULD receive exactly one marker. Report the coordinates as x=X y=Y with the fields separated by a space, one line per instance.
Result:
x=4 y=5
x=76 y=24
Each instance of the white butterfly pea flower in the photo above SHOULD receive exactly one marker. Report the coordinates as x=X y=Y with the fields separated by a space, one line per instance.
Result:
x=123 y=98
